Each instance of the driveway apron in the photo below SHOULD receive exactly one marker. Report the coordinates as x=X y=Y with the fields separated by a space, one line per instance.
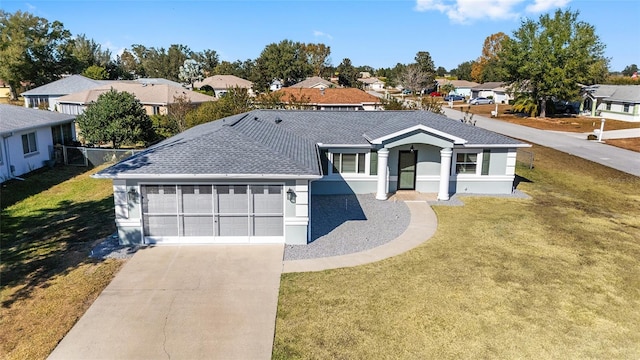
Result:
x=184 y=302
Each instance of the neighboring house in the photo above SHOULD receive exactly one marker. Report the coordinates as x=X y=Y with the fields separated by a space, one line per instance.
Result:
x=330 y=99
x=222 y=83
x=154 y=98
x=314 y=82
x=27 y=137
x=275 y=85
x=372 y=83
x=496 y=90
x=462 y=87
x=249 y=178
x=46 y=96
x=618 y=102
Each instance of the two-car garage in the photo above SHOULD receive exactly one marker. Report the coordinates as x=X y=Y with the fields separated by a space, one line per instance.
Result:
x=213 y=213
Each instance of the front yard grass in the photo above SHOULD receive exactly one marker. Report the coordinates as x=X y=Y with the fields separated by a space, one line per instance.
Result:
x=555 y=276
x=48 y=224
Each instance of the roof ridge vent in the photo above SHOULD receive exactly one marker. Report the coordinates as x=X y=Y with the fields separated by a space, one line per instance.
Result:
x=278 y=120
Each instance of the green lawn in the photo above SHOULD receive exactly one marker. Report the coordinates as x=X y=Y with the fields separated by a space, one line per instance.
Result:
x=49 y=223
x=556 y=276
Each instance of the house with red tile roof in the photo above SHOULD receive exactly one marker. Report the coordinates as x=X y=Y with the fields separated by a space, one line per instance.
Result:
x=336 y=99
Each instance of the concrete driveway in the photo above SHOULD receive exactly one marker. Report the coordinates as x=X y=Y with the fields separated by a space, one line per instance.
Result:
x=184 y=302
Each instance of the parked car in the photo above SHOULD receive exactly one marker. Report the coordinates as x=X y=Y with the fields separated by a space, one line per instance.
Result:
x=453 y=97
x=406 y=92
x=435 y=94
x=480 y=101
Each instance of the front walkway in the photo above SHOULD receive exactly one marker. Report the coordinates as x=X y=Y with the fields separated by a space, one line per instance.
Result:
x=422 y=227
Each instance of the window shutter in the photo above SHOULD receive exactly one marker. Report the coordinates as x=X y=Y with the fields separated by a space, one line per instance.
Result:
x=486 y=158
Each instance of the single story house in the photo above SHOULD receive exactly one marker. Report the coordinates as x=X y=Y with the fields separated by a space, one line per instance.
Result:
x=618 y=102
x=28 y=136
x=154 y=98
x=314 y=82
x=47 y=95
x=250 y=178
x=342 y=99
x=498 y=91
x=222 y=83
x=275 y=85
x=461 y=87
x=372 y=83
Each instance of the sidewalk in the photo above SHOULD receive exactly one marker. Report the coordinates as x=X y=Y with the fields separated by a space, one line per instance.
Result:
x=624 y=160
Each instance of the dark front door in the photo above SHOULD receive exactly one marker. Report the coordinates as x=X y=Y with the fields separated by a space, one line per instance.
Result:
x=407 y=169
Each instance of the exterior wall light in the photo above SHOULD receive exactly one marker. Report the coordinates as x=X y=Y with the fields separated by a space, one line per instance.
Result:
x=291 y=196
x=132 y=194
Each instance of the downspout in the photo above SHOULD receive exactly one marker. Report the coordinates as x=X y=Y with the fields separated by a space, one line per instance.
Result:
x=8 y=156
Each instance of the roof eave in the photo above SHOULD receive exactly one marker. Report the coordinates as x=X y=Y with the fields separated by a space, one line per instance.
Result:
x=205 y=176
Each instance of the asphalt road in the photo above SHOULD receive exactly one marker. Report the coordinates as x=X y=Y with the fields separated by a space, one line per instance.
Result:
x=611 y=156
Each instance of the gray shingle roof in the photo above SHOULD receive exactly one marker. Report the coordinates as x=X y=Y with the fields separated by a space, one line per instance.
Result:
x=283 y=142
x=622 y=93
x=64 y=86
x=18 y=118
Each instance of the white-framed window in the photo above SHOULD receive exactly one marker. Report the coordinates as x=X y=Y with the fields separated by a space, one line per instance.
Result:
x=29 y=143
x=471 y=162
x=348 y=163
x=608 y=107
x=156 y=110
x=625 y=107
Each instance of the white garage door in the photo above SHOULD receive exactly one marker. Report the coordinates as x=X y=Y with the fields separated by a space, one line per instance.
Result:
x=213 y=213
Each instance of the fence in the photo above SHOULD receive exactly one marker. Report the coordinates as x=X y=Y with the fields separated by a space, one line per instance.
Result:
x=526 y=157
x=83 y=156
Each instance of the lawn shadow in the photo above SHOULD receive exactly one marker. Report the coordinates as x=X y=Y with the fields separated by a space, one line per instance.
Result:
x=14 y=190
x=50 y=242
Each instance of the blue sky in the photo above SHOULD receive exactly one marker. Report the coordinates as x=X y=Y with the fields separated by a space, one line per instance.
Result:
x=378 y=33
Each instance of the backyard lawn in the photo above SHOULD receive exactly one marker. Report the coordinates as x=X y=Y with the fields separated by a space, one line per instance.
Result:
x=555 y=276
x=49 y=223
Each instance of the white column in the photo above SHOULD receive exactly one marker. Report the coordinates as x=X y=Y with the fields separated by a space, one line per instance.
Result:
x=445 y=170
x=383 y=159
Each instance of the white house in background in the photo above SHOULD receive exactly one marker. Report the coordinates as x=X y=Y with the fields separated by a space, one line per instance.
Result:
x=372 y=83
x=498 y=91
x=28 y=136
x=314 y=82
x=275 y=85
x=48 y=94
x=222 y=83
x=618 y=102
x=461 y=87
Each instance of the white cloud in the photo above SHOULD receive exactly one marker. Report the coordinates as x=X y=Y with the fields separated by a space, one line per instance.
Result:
x=317 y=33
x=465 y=11
x=115 y=50
x=31 y=7
x=540 y=6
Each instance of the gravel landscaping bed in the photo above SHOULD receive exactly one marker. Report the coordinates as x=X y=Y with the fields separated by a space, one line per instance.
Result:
x=109 y=248
x=344 y=224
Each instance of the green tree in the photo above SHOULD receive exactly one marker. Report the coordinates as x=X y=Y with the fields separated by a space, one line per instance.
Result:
x=393 y=104
x=629 y=70
x=86 y=52
x=161 y=63
x=235 y=101
x=548 y=58
x=32 y=49
x=208 y=60
x=463 y=71
x=116 y=117
x=317 y=57
x=426 y=67
x=286 y=61
x=347 y=74
x=96 y=72
x=441 y=71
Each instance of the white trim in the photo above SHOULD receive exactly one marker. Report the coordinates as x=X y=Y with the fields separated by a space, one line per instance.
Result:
x=492 y=146
x=454 y=162
x=336 y=177
x=455 y=139
x=296 y=221
x=209 y=177
x=173 y=240
x=483 y=178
